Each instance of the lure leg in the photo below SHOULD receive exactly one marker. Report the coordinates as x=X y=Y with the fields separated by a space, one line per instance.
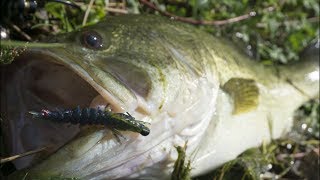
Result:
x=34 y=114
x=117 y=134
x=108 y=108
x=142 y=122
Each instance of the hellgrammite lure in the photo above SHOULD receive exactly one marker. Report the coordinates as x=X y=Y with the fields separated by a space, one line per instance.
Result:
x=86 y=116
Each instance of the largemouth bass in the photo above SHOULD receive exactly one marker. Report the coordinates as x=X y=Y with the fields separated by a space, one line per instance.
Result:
x=190 y=86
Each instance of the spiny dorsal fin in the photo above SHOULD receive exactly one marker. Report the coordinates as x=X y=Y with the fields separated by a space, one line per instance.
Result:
x=244 y=92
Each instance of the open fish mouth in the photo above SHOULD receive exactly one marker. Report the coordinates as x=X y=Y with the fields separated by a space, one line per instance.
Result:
x=104 y=93
x=43 y=80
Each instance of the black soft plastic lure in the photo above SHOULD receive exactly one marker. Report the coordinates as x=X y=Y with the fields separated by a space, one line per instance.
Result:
x=86 y=116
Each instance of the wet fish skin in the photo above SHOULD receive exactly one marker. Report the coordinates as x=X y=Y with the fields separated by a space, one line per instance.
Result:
x=172 y=75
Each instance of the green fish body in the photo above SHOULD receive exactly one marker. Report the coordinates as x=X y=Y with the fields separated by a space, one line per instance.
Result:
x=190 y=86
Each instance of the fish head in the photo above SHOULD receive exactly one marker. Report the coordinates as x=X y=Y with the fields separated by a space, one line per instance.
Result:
x=148 y=67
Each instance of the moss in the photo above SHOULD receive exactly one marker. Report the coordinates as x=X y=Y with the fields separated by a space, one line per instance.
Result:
x=8 y=54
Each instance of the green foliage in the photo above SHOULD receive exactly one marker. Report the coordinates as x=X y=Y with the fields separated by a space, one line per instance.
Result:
x=307 y=124
x=70 y=18
x=278 y=32
x=59 y=11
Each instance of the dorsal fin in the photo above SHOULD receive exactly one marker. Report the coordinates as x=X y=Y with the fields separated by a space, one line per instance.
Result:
x=244 y=92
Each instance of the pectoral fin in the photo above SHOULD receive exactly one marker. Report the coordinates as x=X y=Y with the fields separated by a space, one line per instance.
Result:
x=244 y=92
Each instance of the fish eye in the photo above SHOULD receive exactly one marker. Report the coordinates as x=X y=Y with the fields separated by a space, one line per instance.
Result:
x=91 y=40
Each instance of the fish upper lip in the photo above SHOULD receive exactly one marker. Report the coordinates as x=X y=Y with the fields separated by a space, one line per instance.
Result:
x=117 y=104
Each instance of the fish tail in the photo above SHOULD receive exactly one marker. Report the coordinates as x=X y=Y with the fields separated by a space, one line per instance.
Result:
x=304 y=75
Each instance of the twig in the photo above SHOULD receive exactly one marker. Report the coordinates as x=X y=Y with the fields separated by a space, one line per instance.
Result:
x=23 y=34
x=87 y=12
x=20 y=155
x=116 y=4
x=201 y=22
x=297 y=155
x=111 y=7
x=314 y=19
x=115 y=10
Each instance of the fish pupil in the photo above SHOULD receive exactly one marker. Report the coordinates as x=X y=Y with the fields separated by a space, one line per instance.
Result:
x=92 y=40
